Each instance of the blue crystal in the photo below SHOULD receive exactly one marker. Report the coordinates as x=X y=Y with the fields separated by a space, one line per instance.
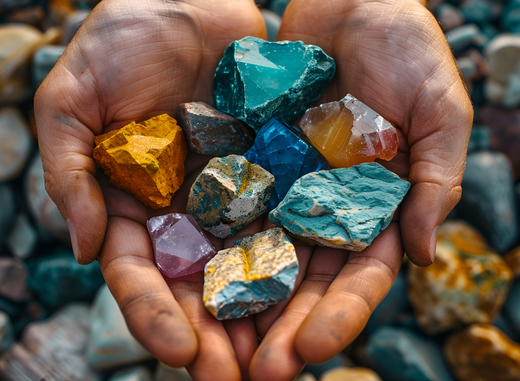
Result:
x=257 y=80
x=285 y=152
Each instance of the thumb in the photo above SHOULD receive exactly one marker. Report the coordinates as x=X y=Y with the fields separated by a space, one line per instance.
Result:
x=438 y=137
x=67 y=118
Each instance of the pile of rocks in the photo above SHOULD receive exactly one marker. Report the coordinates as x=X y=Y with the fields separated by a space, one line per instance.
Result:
x=458 y=319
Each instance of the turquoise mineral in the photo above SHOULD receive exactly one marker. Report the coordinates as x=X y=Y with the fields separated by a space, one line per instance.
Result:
x=344 y=208
x=285 y=152
x=257 y=80
x=252 y=275
x=229 y=194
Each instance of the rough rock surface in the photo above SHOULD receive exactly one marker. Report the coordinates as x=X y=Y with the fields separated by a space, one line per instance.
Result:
x=180 y=246
x=257 y=80
x=482 y=352
x=284 y=151
x=343 y=208
x=211 y=132
x=252 y=275
x=145 y=159
x=348 y=132
x=400 y=354
x=229 y=194
x=467 y=283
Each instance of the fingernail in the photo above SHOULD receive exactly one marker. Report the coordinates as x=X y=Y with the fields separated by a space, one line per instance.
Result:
x=433 y=243
x=73 y=238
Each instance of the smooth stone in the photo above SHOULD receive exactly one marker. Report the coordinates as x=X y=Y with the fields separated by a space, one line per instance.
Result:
x=229 y=194
x=145 y=159
x=338 y=361
x=343 y=208
x=394 y=305
x=41 y=205
x=350 y=374
x=272 y=23
x=465 y=36
x=211 y=132
x=6 y=332
x=284 y=151
x=17 y=45
x=474 y=68
x=448 y=16
x=44 y=60
x=166 y=373
x=180 y=246
x=488 y=201
x=480 y=139
x=33 y=15
x=257 y=80
x=57 y=279
x=278 y=6
x=51 y=350
x=7 y=211
x=511 y=309
x=136 y=373
x=71 y=25
x=305 y=377
x=13 y=277
x=504 y=125
x=400 y=354
x=111 y=344
x=512 y=259
x=467 y=283
x=15 y=143
x=510 y=20
x=257 y=272
x=503 y=83
x=480 y=11
x=23 y=238
x=348 y=132
x=482 y=352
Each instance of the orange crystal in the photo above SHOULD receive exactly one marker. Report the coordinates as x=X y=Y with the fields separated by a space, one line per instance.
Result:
x=145 y=159
x=348 y=132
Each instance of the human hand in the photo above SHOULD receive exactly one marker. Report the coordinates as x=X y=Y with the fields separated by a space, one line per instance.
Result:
x=132 y=60
x=392 y=55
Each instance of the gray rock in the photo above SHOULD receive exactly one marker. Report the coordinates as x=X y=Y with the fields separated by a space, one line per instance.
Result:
x=15 y=143
x=23 y=238
x=111 y=344
x=465 y=36
x=13 y=277
x=137 y=373
x=44 y=60
x=166 y=373
x=41 y=206
x=399 y=354
x=7 y=211
x=480 y=139
x=488 y=200
x=51 y=350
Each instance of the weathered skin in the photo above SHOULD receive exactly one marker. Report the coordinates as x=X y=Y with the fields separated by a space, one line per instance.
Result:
x=145 y=159
x=252 y=275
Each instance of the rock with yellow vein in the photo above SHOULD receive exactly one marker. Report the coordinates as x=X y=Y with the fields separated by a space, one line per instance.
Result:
x=229 y=194
x=467 y=283
x=482 y=352
x=252 y=275
x=145 y=159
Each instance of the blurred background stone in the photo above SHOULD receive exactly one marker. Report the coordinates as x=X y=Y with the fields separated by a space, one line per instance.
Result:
x=111 y=344
x=7 y=211
x=23 y=238
x=44 y=60
x=350 y=374
x=6 y=332
x=13 y=277
x=272 y=23
x=71 y=25
x=15 y=143
x=513 y=261
x=512 y=308
x=138 y=373
x=166 y=373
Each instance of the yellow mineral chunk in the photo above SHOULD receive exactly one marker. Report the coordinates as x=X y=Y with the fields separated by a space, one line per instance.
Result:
x=145 y=159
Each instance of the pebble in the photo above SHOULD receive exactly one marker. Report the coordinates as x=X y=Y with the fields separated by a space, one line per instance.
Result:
x=71 y=25
x=44 y=60
x=13 y=277
x=23 y=238
x=467 y=283
x=7 y=211
x=6 y=332
x=350 y=374
x=43 y=209
x=166 y=373
x=464 y=37
x=136 y=373
x=111 y=344
x=400 y=354
x=449 y=16
x=480 y=139
x=482 y=352
x=15 y=143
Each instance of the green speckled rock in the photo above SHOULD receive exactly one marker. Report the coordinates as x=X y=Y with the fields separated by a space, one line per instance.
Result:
x=229 y=194
x=258 y=80
x=344 y=208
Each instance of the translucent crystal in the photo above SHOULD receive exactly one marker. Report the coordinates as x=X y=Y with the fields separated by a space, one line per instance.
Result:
x=179 y=244
x=348 y=132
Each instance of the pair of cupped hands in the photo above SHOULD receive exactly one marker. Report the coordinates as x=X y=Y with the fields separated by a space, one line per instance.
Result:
x=135 y=59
